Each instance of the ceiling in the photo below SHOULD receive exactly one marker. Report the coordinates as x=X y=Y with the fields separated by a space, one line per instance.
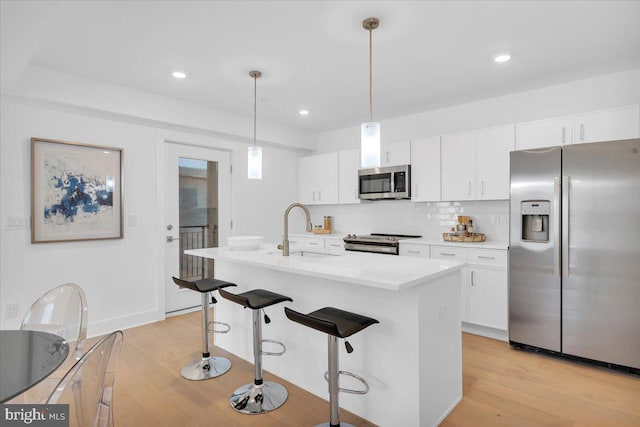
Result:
x=314 y=54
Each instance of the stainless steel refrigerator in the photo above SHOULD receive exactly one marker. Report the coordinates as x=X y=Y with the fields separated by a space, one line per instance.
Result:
x=574 y=254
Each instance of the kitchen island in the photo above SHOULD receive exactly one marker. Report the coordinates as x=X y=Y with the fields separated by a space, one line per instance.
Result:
x=412 y=360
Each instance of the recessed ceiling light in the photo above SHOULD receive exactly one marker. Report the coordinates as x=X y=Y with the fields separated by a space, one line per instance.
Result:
x=178 y=74
x=501 y=57
x=303 y=112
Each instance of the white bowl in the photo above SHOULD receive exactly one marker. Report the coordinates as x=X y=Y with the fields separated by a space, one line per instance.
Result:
x=244 y=243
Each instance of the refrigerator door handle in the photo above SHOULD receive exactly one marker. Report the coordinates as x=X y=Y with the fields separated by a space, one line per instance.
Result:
x=566 y=181
x=556 y=226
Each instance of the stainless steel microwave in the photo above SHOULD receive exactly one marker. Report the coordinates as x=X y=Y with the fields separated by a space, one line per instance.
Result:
x=387 y=182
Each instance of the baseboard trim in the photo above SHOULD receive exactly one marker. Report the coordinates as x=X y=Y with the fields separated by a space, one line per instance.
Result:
x=485 y=331
x=119 y=323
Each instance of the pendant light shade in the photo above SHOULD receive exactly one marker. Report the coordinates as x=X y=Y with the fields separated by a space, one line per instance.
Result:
x=370 y=131
x=370 y=145
x=254 y=154
x=254 y=163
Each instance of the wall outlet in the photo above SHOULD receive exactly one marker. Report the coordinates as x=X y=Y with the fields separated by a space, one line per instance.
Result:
x=11 y=310
x=442 y=312
x=16 y=223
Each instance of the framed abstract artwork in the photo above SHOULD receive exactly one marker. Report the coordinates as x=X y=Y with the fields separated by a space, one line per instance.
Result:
x=76 y=191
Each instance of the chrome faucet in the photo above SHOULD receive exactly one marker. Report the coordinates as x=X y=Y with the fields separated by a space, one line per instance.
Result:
x=285 y=242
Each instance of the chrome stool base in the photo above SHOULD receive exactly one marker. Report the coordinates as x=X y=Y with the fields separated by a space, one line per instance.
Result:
x=205 y=368
x=341 y=425
x=254 y=399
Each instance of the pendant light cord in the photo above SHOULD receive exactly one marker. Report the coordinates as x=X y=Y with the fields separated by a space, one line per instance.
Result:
x=370 y=76
x=255 y=102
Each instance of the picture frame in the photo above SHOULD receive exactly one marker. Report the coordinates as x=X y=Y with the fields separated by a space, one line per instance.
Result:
x=76 y=191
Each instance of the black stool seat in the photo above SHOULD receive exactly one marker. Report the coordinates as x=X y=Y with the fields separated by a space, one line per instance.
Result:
x=332 y=321
x=255 y=298
x=203 y=285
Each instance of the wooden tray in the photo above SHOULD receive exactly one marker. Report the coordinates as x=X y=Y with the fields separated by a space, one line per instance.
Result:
x=475 y=237
x=321 y=231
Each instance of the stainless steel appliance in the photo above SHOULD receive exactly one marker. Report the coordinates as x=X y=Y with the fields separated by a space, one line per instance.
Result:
x=574 y=255
x=389 y=182
x=376 y=242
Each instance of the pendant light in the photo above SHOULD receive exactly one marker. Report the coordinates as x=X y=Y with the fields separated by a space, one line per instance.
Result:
x=254 y=155
x=370 y=131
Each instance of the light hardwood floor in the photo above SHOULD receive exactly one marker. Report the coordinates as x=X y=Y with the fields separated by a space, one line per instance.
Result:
x=501 y=387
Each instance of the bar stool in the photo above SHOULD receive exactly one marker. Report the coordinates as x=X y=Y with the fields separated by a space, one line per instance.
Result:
x=261 y=396
x=336 y=324
x=208 y=366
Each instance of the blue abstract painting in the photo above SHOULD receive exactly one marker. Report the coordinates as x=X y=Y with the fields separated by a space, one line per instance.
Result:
x=77 y=192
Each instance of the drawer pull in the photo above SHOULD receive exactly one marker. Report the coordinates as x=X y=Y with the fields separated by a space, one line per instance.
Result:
x=486 y=257
x=445 y=254
x=313 y=243
x=335 y=245
x=413 y=252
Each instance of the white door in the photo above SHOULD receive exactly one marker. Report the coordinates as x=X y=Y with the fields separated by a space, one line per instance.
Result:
x=197 y=214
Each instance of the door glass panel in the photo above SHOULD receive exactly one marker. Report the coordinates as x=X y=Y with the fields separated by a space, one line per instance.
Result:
x=198 y=208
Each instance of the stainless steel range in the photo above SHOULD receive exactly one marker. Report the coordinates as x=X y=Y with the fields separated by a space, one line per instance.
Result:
x=376 y=242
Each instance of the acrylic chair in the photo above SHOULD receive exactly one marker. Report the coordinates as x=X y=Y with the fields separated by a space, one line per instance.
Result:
x=88 y=387
x=62 y=311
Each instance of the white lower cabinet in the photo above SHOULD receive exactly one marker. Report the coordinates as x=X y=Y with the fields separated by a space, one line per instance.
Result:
x=334 y=244
x=415 y=250
x=483 y=289
x=310 y=242
x=487 y=296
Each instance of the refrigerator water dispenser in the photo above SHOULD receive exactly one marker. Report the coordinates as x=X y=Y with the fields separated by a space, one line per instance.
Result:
x=535 y=220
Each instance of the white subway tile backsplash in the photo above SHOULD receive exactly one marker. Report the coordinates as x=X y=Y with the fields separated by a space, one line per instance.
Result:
x=429 y=219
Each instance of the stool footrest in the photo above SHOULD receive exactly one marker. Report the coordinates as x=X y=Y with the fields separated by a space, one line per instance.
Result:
x=211 y=327
x=269 y=353
x=352 y=375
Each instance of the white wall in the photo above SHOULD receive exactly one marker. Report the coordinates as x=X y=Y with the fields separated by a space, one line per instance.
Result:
x=121 y=277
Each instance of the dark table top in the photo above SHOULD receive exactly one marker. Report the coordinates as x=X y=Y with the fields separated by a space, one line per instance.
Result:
x=26 y=358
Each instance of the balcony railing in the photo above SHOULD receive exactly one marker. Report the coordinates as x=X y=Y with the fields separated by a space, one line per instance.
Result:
x=196 y=237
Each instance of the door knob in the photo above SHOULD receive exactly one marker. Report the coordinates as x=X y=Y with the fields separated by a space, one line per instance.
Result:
x=172 y=239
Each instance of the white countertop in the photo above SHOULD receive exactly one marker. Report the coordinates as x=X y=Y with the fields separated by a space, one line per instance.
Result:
x=374 y=270
x=491 y=244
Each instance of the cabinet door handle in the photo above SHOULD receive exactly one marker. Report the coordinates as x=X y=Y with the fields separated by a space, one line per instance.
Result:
x=564 y=134
x=486 y=257
x=319 y=195
x=445 y=254
x=469 y=188
x=472 y=278
x=387 y=157
x=355 y=194
x=581 y=132
x=416 y=190
x=482 y=190
x=314 y=196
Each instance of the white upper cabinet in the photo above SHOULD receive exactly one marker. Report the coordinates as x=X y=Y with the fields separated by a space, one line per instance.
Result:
x=492 y=150
x=425 y=169
x=318 y=179
x=604 y=125
x=607 y=125
x=395 y=153
x=348 y=165
x=475 y=165
x=458 y=166
x=544 y=133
